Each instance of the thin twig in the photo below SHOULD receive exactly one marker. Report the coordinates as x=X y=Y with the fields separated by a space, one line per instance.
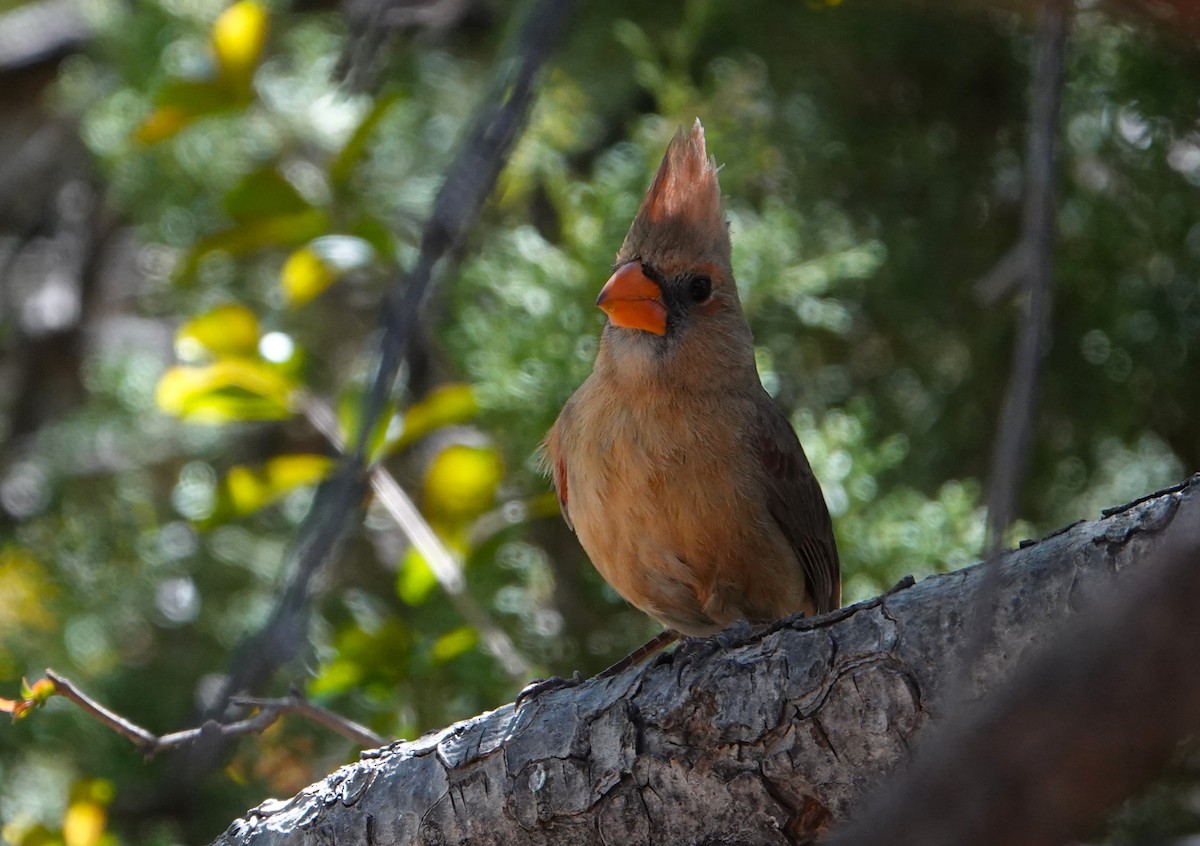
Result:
x=148 y=742
x=442 y=562
x=270 y=710
x=1033 y=260
x=335 y=722
x=139 y=736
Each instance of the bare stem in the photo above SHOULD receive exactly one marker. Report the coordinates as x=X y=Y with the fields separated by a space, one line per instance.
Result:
x=271 y=710
x=445 y=566
x=297 y=704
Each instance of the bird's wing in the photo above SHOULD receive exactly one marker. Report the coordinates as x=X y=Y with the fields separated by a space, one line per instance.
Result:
x=794 y=499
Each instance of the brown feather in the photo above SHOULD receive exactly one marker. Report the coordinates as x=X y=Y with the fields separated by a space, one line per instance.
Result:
x=795 y=501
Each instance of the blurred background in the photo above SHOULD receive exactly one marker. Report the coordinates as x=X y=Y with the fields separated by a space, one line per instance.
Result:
x=202 y=205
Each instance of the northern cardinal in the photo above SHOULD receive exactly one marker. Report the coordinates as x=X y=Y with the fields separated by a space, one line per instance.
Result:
x=683 y=480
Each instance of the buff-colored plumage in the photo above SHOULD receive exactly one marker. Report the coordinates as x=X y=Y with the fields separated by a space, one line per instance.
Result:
x=684 y=482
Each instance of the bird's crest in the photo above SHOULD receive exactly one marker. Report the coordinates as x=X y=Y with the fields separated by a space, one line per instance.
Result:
x=686 y=182
x=681 y=220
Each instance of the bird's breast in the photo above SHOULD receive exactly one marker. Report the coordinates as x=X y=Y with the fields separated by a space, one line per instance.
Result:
x=664 y=501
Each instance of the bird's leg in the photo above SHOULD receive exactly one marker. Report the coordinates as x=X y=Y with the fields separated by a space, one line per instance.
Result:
x=539 y=686
x=655 y=644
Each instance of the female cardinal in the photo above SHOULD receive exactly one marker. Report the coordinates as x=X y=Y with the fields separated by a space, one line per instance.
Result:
x=683 y=480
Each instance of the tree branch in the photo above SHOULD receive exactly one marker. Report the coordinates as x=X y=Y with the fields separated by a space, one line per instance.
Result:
x=1077 y=730
x=270 y=710
x=768 y=740
x=1031 y=261
x=316 y=714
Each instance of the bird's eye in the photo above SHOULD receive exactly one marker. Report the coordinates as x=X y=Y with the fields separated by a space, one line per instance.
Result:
x=699 y=288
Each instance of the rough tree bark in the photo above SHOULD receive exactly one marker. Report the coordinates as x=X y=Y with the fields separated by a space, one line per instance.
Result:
x=765 y=739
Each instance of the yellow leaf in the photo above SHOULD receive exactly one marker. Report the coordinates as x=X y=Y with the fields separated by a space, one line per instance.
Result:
x=41 y=690
x=228 y=390
x=452 y=644
x=248 y=489
x=447 y=405
x=32 y=696
x=304 y=276
x=25 y=588
x=83 y=824
x=238 y=37
x=461 y=482
x=313 y=268
x=162 y=123
x=227 y=330
x=85 y=818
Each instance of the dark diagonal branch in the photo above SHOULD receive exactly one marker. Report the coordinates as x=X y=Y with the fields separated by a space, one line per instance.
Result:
x=1031 y=263
x=456 y=209
x=467 y=185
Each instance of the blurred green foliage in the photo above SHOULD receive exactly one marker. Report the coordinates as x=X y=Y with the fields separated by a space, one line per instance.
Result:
x=872 y=168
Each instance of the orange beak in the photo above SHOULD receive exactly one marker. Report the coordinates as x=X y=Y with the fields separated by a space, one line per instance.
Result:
x=633 y=300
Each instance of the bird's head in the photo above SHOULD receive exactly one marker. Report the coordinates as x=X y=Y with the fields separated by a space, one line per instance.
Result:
x=672 y=290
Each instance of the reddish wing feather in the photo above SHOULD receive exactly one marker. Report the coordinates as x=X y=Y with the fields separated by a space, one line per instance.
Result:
x=560 y=487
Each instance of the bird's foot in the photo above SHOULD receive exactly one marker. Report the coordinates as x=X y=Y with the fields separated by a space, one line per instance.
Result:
x=786 y=623
x=735 y=634
x=693 y=649
x=539 y=686
x=700 y=648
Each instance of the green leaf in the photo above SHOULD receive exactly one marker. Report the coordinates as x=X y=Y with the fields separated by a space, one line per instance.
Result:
x=376 y=233
x=275 y=231
x=415 y=580
x=264 y=193
x=178 y=104
x=338 y=676
x=351 y=152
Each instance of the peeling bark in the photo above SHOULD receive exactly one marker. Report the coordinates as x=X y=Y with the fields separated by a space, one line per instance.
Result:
x=766 y=738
